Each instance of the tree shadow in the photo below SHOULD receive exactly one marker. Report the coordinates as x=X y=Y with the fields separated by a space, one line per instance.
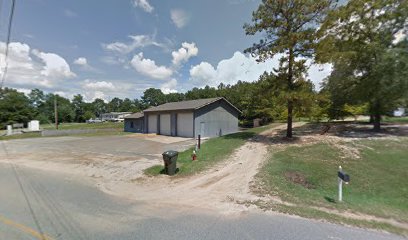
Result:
x=344 y=129
x=244 y=135
x=330 y=200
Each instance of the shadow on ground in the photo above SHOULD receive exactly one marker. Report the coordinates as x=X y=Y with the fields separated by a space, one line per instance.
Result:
x=338 y=129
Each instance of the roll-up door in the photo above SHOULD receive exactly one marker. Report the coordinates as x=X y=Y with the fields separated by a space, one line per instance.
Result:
x=185 y=124
x=165 y=124
x=152 y=123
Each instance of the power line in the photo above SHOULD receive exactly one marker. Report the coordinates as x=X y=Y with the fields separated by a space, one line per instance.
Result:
x=13 y=3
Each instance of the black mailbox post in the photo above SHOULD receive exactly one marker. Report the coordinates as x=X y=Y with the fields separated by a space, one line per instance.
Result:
x=343 y=176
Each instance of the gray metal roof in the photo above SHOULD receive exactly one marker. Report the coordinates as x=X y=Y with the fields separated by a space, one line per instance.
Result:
x=186 y=105
x=134 y=115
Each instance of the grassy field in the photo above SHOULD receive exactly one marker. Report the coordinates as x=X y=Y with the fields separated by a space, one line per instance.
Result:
x=66 y=126
x=118 y=126
x=307 y=177
x=21 y=136
x=395 y=119
x=212 y=151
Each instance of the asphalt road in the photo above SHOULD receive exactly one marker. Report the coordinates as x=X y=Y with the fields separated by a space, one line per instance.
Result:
x=43 y=205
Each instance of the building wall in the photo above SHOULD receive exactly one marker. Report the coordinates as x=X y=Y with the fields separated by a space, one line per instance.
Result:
x=138 y=125
x=216 y=119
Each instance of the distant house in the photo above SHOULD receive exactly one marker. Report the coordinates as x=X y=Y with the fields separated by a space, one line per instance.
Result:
x=209 y=117
x=114 y=116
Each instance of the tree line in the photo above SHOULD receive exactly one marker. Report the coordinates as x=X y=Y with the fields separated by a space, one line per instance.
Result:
x=264 y=99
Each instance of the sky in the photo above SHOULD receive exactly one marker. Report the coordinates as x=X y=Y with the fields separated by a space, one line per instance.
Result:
x=107 y=48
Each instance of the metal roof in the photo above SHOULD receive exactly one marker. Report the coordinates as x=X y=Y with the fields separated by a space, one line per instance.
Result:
x=187 y=105
x=134 y=115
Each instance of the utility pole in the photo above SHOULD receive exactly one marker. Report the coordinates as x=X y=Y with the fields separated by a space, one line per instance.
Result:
x=56 y=112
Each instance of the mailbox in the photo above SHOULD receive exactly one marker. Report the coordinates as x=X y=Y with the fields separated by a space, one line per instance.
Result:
x=343 y=176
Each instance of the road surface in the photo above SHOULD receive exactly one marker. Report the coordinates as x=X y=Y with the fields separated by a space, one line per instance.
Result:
x=36 y=204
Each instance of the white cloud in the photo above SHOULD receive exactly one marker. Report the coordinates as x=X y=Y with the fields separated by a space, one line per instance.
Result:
x=203 y=73
x=81 y=61
x=138 y=41
x=26 y=91
x=69 y=13
x=143 y=4
x=92 y=95
x=179 y=17
x=149 y=68
x=64 y=94
x=97 y=89
x=55 y=66
x=169 y=87
x=245 y=68
x=187 y=51
x=98 y=85
x=230 y=71
x=32 y=68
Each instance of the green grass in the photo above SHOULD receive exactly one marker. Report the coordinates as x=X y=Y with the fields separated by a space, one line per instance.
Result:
x=67 y=126
x=212 y=152
x=21 y=136
x=395 y=119
x=308 y=212
x=378 y=179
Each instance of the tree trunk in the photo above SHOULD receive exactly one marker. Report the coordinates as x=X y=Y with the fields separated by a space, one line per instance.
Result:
x=289 y=121
x=377 y=122
x=290 y=87
x=371 y=118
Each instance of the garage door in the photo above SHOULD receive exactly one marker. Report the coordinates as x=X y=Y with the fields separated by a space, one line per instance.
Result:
x=165 y=124
x=185 y=125
x=152 y=123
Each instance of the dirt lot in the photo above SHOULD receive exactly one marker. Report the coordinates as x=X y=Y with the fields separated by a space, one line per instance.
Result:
x=116 y=163
x=107 y=157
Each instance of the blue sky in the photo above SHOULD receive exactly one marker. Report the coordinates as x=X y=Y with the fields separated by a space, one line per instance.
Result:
x=110 y=48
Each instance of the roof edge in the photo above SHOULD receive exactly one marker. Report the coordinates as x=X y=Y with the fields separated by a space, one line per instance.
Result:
x=218 y=99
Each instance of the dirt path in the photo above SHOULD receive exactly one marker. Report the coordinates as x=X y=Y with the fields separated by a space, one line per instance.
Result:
x=218 y=188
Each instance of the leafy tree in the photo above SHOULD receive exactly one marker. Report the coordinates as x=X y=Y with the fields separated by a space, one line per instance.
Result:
x=289 y=29
x=355 y=110
x=197 y=93
x=126 y=105
x=36 y=97
x=78 y=105
x=14 y=107
x=99 y=107
x=370 y=66
x=115 y=105
x=153 y=97
x=174 y=97
x=88 y=115
x=65 y=110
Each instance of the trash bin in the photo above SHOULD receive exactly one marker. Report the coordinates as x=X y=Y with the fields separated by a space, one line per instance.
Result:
x=170 y=162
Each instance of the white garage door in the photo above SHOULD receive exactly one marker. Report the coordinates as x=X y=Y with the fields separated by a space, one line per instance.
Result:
x=152 y=123
x=185 y=125
x=165 y=124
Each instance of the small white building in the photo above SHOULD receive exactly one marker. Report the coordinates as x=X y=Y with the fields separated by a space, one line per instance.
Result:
x=399 y=112
x=114 y=116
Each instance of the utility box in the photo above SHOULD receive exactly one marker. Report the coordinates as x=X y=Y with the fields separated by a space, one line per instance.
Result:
x=34 y=125
x=9 y=130
x=170 y=162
